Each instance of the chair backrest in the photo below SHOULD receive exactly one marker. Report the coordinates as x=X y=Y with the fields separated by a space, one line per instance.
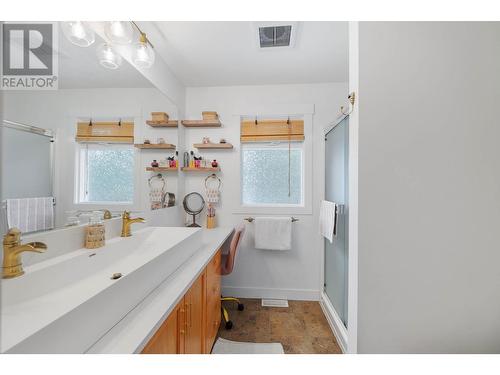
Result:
x=228 y=265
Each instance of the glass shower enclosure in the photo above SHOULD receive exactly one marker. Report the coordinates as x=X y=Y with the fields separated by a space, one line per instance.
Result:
x=336 y=190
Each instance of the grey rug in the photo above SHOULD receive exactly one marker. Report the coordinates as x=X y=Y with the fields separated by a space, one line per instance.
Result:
x=223 y=346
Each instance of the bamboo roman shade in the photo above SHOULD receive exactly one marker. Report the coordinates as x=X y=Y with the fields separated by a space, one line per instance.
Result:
x=111 y=132
x=271 y=130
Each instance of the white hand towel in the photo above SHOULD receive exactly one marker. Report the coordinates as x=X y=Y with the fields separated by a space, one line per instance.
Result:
x=30 y=214
x=212 y=195
x=327 y=224
x=273 y=233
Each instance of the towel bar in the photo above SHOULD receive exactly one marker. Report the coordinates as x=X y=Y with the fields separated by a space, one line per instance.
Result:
x=250 y=219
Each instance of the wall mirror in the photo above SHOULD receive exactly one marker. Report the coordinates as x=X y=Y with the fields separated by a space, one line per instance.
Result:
x=68 y=152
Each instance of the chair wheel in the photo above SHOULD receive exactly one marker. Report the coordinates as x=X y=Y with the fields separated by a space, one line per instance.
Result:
x=241 y=307
x=229 y=324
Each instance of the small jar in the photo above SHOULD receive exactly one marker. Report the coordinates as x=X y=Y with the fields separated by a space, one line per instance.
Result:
x=154 y=164
x=95 y=232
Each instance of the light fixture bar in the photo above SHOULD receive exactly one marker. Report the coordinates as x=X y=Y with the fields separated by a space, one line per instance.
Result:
x=143 y=34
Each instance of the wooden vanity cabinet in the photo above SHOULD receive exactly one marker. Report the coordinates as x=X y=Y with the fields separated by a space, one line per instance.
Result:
x=169 y=337
x=194 y=305
x=213 y=307
x=192 y=326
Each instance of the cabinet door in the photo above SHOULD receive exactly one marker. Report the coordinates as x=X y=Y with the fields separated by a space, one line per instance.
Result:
x=168 y=340
x=213 y=313
x=194 y=317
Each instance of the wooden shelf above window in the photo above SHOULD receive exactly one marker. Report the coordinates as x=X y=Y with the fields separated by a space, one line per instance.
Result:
x=161 y=169
x=201 y=123
x=163 y=124
x=158 y=146
x=213 y=146
x=189 y=169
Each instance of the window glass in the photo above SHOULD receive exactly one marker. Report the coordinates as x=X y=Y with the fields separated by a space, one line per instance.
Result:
x=264 y=176
x=107 y=173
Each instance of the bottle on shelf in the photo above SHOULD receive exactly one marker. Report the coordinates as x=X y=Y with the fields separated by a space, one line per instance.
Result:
x=191 y=160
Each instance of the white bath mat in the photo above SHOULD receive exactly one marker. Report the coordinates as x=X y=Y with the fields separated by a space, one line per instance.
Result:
x=223 y=346
x=275 y=302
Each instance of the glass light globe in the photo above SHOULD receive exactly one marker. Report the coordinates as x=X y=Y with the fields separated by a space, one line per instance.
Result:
x=78 y=32
x=119 y=32
x=108 y=57
x=143 y=55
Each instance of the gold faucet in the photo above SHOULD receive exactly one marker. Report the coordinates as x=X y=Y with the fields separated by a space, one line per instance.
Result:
x=127 y=221
x=12 y=249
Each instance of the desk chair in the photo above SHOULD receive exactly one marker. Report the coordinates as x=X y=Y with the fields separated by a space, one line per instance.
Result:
x=227 y=266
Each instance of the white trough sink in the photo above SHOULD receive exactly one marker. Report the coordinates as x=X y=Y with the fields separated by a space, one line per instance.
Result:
x=65 y=304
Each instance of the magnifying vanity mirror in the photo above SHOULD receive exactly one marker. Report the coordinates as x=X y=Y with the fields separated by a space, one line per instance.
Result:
x=193 y=204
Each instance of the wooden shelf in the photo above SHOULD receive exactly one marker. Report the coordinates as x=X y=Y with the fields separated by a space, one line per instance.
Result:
x=157 y=146
x=161 y=169
x=163 y=124
x=213 y=146
x=201 y=123
x=189 y=169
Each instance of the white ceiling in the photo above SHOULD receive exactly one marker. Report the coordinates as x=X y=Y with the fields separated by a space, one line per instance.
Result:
x=227 y=53
x=218 y=54
x=79 y=68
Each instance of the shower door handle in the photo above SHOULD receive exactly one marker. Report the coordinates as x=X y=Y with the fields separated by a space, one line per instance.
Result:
x=339 y=210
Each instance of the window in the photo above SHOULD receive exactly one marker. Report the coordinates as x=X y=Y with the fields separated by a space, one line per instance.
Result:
x=106 y=173
x=264 y=174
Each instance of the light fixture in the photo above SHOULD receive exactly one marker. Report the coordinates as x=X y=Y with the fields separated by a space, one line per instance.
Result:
x=143 y=54
x=78 y=33
x=116 y=32
x=108 y=57
x=119 y=32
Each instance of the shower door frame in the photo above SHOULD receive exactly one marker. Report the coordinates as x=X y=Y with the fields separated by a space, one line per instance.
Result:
x=346 y=337
x=48 y=133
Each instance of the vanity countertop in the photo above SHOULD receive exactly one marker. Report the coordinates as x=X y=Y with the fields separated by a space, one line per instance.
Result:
x=132 y=333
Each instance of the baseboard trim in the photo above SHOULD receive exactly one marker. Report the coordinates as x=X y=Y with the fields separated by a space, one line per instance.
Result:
x=338 y=328
x=273 y=293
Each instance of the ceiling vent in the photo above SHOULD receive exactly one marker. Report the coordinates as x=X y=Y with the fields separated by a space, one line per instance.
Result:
x=275 y=36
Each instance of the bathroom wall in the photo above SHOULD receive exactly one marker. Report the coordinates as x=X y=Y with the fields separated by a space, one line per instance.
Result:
x=429 y=187
x=60 y=109
x=295 y=274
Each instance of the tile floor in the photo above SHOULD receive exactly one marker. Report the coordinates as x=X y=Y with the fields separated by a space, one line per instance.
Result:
x=301 y=328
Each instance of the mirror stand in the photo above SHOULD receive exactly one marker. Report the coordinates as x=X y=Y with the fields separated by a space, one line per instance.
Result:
x=194 y=225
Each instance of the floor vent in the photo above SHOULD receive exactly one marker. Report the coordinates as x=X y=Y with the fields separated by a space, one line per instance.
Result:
x=275 y=302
